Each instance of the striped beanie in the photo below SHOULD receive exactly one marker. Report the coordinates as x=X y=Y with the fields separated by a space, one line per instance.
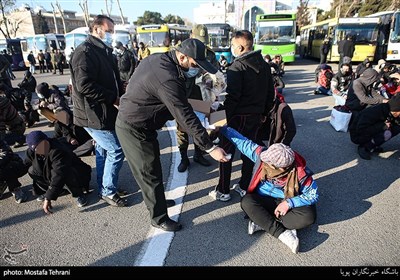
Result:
x=278 y=155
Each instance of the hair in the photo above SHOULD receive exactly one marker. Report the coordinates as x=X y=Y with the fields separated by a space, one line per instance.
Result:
x=99 y=20
x=245 y=35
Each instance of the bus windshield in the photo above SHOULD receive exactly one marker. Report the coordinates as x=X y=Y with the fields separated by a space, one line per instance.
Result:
x=75 y=39
x=395 y=36
x=218 y=37
x=276 y=31
x=122 y=36
x=40 y=43
x=362 y=33
x=154 y=39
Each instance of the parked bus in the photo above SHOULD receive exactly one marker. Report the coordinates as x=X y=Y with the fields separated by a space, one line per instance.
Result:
x=125 y=34
x=363 y=30
x=74 y=39
x=158 y=38
x=276 y=34
x=44 y=42
x=389 y=35
x=14 y=46
x=220 y=39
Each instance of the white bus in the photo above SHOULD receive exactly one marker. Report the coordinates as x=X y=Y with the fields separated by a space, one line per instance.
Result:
x=125 y=34
x=44 y=42
x=389 y=35
x=74 y=39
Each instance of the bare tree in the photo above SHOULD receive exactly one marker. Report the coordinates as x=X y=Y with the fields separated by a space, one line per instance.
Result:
x=14 y=25
x=62 y=16
x=4 y=6
x=120 y=11
x=85 y=10
x=109 y=8
x=55 y=18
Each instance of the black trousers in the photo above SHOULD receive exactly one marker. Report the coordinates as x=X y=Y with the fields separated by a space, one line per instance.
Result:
x=41 y=184
x=11 y=172
x=183 y=142
x=142 y=151
x=260 y=210
x=248 y=126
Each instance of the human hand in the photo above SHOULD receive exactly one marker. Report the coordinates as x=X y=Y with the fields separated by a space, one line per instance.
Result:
x=116 y=103
x=73 y=141
x=385 y=101
x=281 y=209
x=219 y=155
x=47 y=206
x=43 y=104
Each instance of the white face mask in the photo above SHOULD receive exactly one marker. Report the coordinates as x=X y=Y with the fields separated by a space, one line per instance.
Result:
x=107 y=39
x=192 y=72
x=233 y=51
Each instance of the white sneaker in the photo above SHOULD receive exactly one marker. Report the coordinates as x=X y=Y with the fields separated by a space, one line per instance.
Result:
x=216 y=195
x=253 y=227
x=240 y=191
x=290 y=240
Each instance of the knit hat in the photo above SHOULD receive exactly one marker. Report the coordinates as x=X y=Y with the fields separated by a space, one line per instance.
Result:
x=118 y=44
x=43 y=89
x=394 y=103
x=278 y=155
x=200 y=32
x=34 y=138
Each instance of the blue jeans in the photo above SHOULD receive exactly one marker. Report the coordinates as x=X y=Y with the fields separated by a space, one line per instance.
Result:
x=109 y=159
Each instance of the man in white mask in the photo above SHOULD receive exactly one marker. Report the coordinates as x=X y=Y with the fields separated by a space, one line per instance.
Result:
x=97 y=86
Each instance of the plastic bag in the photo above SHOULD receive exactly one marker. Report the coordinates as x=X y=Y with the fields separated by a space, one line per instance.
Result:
x=340 y=118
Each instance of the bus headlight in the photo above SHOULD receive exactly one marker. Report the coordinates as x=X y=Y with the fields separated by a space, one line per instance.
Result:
x=392 y=52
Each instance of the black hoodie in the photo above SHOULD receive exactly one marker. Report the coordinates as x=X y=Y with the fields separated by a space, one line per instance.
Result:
x=250 y=86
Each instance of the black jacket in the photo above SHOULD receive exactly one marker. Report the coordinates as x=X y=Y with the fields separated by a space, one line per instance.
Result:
x=250 y=86
x=370 y=122
x=96 y=83
x=60 y=167
x=361 y=94
x=126 y=65
x=156 y=93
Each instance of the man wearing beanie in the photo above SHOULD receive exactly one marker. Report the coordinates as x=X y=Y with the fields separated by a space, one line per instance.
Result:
x=199 y=31
x=53 y=166
x=375 y=126
x=281 y=196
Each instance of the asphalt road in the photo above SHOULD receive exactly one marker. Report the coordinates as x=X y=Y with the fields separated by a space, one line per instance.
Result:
x=358 y=211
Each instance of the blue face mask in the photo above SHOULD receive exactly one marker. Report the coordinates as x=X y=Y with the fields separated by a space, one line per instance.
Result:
x=192 y=72
x=107 y=39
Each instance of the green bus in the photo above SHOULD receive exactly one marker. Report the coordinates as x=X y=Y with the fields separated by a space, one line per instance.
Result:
x=276 y=34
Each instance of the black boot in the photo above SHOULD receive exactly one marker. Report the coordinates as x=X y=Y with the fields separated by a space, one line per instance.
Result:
x=184 y=162
x=198 y=157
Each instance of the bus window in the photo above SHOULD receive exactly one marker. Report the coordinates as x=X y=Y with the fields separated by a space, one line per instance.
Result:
x=52 y=44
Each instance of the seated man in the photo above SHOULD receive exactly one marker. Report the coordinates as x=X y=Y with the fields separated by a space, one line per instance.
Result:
x=282 y=194
x=11 y=168
x=50 y=101
x=74 y=137
x=340 y=84
x=53 y=166
x=12 y=126
x=376 y=125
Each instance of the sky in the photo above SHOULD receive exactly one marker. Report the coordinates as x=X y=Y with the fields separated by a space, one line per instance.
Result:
x=131 y=8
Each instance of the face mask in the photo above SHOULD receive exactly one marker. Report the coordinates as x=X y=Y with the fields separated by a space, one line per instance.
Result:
x=192 y=72
x=107 y=39
x=233 y=51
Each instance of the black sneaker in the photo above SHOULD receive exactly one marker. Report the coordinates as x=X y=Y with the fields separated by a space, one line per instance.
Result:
x=364 y=153
x=19 y=195
x=81 y=201
x=116 y=201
